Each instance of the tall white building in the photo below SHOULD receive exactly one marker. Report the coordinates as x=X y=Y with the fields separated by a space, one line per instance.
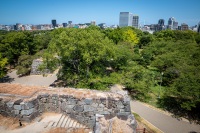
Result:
x=125 y=19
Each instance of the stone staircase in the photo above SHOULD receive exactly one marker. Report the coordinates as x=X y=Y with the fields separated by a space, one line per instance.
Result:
x=64 y=121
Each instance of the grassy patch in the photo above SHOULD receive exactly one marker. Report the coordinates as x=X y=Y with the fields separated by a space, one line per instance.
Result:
x=145 y=124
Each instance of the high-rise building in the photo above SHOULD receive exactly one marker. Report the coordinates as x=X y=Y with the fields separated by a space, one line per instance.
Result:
x=64 y=24
x=161 y=24
x=184 y=26
x=125 y=19
x=54 y=23
x=172 y=24
x=135 y=22
x=198 y=28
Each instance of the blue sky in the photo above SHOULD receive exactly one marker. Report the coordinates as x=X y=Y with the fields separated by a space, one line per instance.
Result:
x=107 y=11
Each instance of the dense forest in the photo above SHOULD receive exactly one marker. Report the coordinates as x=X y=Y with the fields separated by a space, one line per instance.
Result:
x=162 y=69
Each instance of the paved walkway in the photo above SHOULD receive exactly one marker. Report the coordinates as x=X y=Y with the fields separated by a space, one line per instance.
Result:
x=164 y=122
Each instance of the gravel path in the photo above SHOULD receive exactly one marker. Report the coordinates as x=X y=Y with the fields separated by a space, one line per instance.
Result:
x=165 y=123
x=36 y=80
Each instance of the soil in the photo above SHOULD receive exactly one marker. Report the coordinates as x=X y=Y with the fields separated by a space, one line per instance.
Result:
x=9 y=122
x=118 y=125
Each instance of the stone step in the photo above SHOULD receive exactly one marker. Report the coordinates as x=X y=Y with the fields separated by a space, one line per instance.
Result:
x=74 y=124
x=64 y=121
x=71 y=123
x=67 y=123
x=60 y=121
x=50 y=124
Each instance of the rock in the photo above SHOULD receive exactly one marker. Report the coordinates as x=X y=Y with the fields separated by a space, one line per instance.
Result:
x=17 y=107
x=71 y=101
x=10 y=104
x=101 y=105
x=104 y=112
x=94 y=105
x=18 y=102
x=88 y=100
x=16 y=112
x=78 y=108
x=120 y=105
x=123 y=113
x=88 y=108
x=27 y=112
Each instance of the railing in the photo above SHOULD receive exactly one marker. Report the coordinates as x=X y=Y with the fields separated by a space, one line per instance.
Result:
x=142 y=130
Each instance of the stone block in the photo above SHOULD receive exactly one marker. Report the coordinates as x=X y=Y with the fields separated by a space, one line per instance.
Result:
x=127 y=108
x=80 y=119
x=88 y=108
x=63 y=105
x=44 y=95
x=29 y=118
x=101 y=105
x=120 y=105
x=88 y=114
x=10 y=104
x=88 y=100
x=123 y=113
x=91 y=124
x=28 y=105
x=104 y=112
x=100 y=109
x=70 y=106
x=15 y=112
x=17 y=107
x=78 y=108
x=122 y=110
x=81 y=103
x=22 y=105
x=18 y=102
x=95 y=105
x=72 y=101
x=55 y=95
x=63 y=96
x=27 y=112
x=44 y=100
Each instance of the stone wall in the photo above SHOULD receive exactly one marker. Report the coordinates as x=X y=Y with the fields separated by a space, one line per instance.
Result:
x=83 y=109
x=35 y=68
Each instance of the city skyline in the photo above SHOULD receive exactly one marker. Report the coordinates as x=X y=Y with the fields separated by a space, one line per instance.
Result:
x=102 y=11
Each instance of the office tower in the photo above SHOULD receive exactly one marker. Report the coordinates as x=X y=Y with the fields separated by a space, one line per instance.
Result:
x=198 y=28
x=184 y=26
x=175 y=26
x=54 y=23
x=172 y=24
x=125 y=19
x=161 y=24
x=135 y=22
x=64 y=24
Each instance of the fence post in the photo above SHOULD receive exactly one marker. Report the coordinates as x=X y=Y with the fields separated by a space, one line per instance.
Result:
x=144 y=131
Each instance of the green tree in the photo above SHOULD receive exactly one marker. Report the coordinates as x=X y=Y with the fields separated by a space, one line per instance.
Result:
x=3 y=62
x=84 y=53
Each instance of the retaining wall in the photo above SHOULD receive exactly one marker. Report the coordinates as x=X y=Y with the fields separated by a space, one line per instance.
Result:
x=81 y=108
